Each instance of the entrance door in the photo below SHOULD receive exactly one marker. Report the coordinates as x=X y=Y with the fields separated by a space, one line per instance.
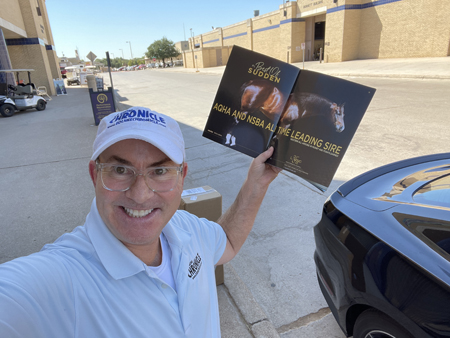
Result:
x=219 y=57
x=319 y=39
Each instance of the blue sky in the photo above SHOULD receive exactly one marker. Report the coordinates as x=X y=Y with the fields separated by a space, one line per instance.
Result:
x=101 y=25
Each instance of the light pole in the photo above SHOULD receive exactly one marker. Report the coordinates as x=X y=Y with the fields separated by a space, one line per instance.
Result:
x=193 y=55
x=130 y=49
x=123 y=59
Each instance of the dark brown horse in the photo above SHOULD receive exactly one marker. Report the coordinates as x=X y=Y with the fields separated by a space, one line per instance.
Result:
x=264 y=96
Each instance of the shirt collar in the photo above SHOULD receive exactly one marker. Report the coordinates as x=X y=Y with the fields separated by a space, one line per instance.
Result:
x=116 y=258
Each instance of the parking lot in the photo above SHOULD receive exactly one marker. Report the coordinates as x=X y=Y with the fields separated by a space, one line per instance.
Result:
x=46 y=190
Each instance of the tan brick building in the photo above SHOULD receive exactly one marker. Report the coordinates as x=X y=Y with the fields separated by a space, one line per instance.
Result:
x=26 y=41
x=343 y=29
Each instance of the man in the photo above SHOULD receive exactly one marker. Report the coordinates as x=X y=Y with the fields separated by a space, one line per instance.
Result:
x=137 y=267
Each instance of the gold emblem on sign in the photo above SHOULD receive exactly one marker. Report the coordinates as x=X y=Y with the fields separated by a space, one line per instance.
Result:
x=102 y=98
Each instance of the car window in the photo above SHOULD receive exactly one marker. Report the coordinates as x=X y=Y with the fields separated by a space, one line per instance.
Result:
x=435 y=193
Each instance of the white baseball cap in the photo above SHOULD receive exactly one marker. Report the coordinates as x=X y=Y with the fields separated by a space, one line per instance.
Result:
x=141 y=124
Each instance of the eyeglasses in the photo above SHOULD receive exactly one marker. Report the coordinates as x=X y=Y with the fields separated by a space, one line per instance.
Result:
x=118 y=177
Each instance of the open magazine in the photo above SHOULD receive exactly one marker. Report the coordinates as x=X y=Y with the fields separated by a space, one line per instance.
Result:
x=309 y=118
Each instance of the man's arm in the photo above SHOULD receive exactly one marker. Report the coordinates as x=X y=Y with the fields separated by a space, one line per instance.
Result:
x=238 y=220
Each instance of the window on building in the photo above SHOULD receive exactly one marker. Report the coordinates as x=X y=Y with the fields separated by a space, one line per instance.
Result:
x=38 y=8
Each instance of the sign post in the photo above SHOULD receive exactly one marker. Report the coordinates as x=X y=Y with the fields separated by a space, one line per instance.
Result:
x=102 y=103
x=91 y=56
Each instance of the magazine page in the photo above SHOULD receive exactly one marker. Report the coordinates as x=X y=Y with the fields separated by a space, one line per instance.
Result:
x=319 y=121
x=250 y=100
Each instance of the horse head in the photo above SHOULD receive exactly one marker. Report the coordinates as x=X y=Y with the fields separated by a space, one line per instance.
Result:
x=338 y=117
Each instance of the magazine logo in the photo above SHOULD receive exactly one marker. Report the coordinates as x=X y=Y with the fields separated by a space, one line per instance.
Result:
x=194 y=266
x=296 y=160
x=269 y=73
x=140 y=115
x=102 y=98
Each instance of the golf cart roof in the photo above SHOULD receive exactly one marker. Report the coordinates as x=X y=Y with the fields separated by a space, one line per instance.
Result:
x=15 y=70
x=74 y=67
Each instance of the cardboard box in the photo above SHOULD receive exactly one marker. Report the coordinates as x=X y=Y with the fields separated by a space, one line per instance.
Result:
x=204 y=202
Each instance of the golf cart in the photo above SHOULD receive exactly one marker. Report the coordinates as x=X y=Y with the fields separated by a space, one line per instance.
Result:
x=73 y=75
x=20 y=95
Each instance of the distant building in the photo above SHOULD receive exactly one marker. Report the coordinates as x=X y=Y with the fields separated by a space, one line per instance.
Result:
x=342 y=29
x=182 y=46
x=26 y=41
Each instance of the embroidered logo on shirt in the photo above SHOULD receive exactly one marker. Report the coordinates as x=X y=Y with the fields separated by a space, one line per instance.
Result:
x=194 y=266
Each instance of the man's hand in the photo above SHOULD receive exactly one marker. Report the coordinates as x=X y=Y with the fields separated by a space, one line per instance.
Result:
x=239 y=218
x=261 y=174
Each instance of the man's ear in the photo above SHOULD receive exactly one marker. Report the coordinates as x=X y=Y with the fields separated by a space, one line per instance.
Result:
x=93 y=172
x=185 y=169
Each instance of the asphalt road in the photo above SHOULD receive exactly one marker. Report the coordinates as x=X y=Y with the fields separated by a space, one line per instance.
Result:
x=46 y=190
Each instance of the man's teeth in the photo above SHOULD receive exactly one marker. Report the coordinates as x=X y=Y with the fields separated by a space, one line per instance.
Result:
x=137 y=213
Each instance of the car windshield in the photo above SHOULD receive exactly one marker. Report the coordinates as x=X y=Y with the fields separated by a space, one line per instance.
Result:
x=436 y=193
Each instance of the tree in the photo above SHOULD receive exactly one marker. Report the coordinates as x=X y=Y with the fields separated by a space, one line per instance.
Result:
x=115 y=63
x=162 y=49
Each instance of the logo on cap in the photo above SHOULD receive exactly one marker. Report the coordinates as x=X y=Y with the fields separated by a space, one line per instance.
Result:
x=139 y=115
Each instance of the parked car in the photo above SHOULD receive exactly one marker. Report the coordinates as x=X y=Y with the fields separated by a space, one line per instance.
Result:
x=140 y=67
x=383 y=251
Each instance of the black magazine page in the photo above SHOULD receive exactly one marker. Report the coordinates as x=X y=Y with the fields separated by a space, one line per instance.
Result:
x=250 y=100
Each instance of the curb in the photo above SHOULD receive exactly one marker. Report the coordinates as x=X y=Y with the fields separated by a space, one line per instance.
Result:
x=253 y=314
x=331 y=73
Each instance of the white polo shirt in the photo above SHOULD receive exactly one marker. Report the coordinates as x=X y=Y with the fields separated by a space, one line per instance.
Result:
x=88 y=284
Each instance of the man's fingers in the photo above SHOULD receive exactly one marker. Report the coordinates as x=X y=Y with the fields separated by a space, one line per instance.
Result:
x=263 y=157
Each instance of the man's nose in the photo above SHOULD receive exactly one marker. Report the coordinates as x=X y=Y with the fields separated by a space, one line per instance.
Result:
x=139 y=190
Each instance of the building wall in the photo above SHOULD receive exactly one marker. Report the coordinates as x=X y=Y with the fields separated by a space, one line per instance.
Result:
x=405 y=29
x=34 y=47
x=11 y=17
x=354 y=29
x=237 y=34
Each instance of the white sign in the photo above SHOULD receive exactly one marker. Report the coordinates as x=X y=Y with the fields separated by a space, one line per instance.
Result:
x=303 y=45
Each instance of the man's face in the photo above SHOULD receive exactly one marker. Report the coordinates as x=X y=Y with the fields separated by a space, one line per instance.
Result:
x=118 y=208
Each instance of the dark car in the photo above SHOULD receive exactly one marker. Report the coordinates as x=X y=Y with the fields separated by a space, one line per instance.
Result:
x=383 y=251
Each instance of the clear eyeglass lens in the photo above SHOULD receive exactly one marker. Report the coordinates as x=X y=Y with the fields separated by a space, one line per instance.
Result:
x=121 y=178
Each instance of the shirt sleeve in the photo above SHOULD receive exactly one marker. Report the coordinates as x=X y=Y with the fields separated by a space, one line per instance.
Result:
x=30 y=300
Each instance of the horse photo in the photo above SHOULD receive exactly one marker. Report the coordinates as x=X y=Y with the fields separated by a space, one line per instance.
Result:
x=263 y=96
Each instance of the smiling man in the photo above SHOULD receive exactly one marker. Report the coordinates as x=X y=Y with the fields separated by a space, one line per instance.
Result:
x=138 y=267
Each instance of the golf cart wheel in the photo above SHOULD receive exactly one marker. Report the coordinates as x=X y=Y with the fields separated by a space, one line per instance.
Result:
x=7 y=110
x=375 y=324
x=41 y=105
